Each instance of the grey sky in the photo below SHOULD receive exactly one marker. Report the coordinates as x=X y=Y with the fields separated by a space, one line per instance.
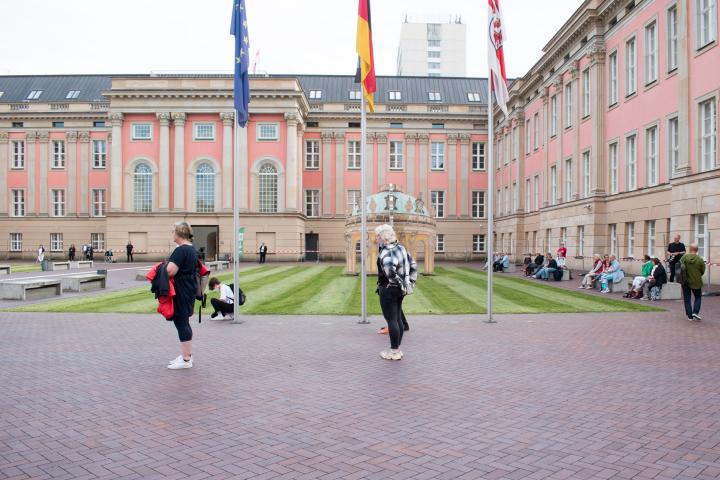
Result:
x=311 y=36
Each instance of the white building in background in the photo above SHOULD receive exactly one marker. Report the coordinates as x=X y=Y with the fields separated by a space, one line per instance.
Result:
x=432 y=49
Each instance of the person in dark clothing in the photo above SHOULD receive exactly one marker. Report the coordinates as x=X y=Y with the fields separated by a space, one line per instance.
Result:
x=695 y=269
x=224 y=305
x=71 y=252
x=675 y=252
x=545 y=272
x=129 y=251
x=536 y=265
x=263 y=252
x=182 y=265
x=655 y=282
x=90 y=252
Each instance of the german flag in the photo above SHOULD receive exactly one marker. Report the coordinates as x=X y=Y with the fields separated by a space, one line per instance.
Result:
x=364 y=47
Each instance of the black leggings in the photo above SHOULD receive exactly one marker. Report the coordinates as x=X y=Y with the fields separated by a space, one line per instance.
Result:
x=391 y=303
x=222 y=307
x=183 y=328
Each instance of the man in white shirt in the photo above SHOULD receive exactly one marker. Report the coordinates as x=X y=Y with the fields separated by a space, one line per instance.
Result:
x=224 y=305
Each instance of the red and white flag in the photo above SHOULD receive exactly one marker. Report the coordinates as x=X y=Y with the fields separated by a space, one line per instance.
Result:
x=496 y=55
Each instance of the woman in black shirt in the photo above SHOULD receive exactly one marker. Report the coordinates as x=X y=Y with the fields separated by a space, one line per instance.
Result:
x=181 y=267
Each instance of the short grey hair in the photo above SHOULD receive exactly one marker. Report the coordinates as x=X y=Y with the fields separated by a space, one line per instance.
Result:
x=386 y=232
x=183 y=230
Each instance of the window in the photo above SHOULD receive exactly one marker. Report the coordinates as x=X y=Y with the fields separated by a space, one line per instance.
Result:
x=631 y=162
x=650 y=229
x=437 y=200
x=673 y=145
x=613 y=239
x=586 y=93
x=396 y=125
x=515 y=197
x=355 y=95
x=353 y=154
x=72 y=94
x=613 y=154
x=433 y=43
x=706 y=23
x=18 y=124
x=581 y=240
x=143 y=188
x=99 y=153
x=613 y=80
x=58 y=202
x=553 y=185
x=204 y=131
x=440 y=242
x=478 y=243
x=58 y=124
x=312 y=203
x=18 y=203
x=434 y=65
x=56 y=242
x=205 y=188
x=536 y=130
x=97 y=240
x=478 y=204
x=563 y=235
x=434 y=54
x=478 y=156
x=701 y=222
x=312 y=124
x=99 y=123
x=536 y=187
x=438 y=155
x=268 y=189
x=58 y=154
x=568 y=180
x=527 y=195
x=586 y=174
x=312 y=154
x=506 y=198
x=672 y=38
x=438 y=125
x=98 y=203
x=16 y=242
x=315 y=94
x=473 y=97
x=515 y=142
x=34 y=94
x=553 y=115
x=568 y=105
x=528 y=136
x=651 y=156
x=630 y=229
x=395 y=95
x=141 y=131
x=353 y=199
x=1 y=93
x=434 y=96
x=507 y=152
x=18 y=153
x=708 y=132
x=651 y=54
x=396 y=155
x=630 y=67
x=498 y=202
x=267 y=132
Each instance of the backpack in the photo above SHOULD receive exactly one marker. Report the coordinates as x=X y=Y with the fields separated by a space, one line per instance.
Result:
x=241 y=295
x=558 y=274
x=681 y=272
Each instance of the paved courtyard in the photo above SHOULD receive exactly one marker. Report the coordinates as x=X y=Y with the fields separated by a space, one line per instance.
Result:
x=598 y=396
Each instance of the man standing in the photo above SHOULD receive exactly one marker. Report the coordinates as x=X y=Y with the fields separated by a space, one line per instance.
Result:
x=263 y=252
x=129 y=250
x=675 y=252
x=694 y=266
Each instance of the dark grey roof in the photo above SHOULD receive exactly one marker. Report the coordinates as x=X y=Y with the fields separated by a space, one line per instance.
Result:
x=413 y=89
x=55 y=87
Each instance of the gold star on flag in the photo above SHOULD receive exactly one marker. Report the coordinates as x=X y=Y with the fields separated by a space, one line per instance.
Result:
x=245 y=39
x=244 y=23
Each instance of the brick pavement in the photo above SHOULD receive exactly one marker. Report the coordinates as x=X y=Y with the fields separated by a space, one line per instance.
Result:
x=534 y=397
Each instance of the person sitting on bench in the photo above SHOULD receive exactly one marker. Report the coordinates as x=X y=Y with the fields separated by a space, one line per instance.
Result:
x=502 y=264
x=223 y=305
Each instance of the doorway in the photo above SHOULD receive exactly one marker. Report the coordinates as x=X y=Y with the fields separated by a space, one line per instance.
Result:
x=205 y=241
x=312 y=242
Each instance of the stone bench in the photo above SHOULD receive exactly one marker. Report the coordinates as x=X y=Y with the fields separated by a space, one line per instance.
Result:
x=4 y=269
x=218 y=265
x=566 y=275
x=52 y=266
x=669 y=291
x=83 y=282
x=81 y=264
x=30 y=289
x=512 y=268
x=616 y=287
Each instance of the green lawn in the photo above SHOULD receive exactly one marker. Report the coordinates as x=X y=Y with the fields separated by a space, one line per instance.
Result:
x=25 y=267
x=290 y=289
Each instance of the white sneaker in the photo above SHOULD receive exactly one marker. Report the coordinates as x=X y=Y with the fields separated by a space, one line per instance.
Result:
x=697 y=317
x=391 y=355
x=217 y=317
x=176 y=359
x=180 y=364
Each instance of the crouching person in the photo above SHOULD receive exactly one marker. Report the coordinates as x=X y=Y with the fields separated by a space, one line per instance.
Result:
x=225 y=304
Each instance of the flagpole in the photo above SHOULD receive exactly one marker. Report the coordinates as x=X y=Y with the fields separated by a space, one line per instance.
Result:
x=491 y=203
x=363 y=215
x=236 y=220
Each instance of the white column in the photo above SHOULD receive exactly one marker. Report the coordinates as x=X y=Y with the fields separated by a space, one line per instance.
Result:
x=71 y=162
x=228 y=119
x=83 y=172
x=291 y=188
x=686 y=37
x=4 y=139
x=45 y=155
x=598 y=105
x=164 y=167
x=410 y=167
x=116 y=160
x=179 y=162
x=326 y=159
x=451 y=162
x=299 y=167
x=340 y=197
x=382 y=143
x=30 y=139
x=243 y=165
x=370 y=166
x=464 y=174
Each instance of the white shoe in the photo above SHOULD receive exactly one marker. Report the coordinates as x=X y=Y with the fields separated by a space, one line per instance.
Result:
x=217 y=317
x=697 y=317
x=181 y=364
x=391 y=355
x=176 y=359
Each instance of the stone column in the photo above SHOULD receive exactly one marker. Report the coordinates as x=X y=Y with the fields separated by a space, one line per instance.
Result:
x=116 y=162
x=451 y=160
x=84 y=172
x=410 y=142
x=164 y=167
x=244 y=178
x=463 y=174
x=521 y=125
x=598 y=102
x=71 y=161
x=340 y=197
x=291 y=120
x=30 y=139
x=424 y=140
x=686 y=39
x=559 y=164
x=227 y=160
x=370 y=163
x=546 y=151
x=326 y=162
x=179 y=162
x=4 y=140
x=577 y=116
x=382 y=142
x=45 y=155
x=299 y=167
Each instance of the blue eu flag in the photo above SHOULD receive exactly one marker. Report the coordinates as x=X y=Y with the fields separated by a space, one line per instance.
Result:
x=238 y=28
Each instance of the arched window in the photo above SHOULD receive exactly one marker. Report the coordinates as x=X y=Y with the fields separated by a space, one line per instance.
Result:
x=143 y=182
x=205 y=188
x=268 y=189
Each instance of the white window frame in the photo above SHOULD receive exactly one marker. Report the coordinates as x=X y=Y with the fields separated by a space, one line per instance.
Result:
x=651 y=52
x=395 y=95
x=58 y=198
x=528 y=137
x=631 y=162
x=142 y=125
x=16 y=242
x=553 y=115
x=477 y=202
x=437 y=201
x=99 y=153
x=536 y=130
x=264 y=134
x=672 y=38
x=439 y=243
x=478 y=157
x=506 y=200
x=437 y=156
x=613 y=239
x=312 y=154
x=479 y=245
x=355 y=95
x=397 y=159
x=673 y=133
x=72 y=94
x=553 y=185
x=614 y=160
x=515 y=143
x=569 y=104
x=473 y=97
x=581 y=240
x=434 y=97
x=586 y=92
x=652 y=159
x=56 y=242
x=528 y=195
x=700 y=228
x=97 y=241
x=58 y=154
x=18 y=154
x=705 y=23
x=198 y=126
x=17 y=202
x=99 y=202
x=568 y=180
x=536 y=187
x=630 y=66
x=353 y=154
x=613 y=78
x=353 y=199
x=651 y=231
x=515 y=197
x=34 y=94
x=707 y=111
x=630 y=233
x=315 y=95
x=312 y=203
x=586 y=174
